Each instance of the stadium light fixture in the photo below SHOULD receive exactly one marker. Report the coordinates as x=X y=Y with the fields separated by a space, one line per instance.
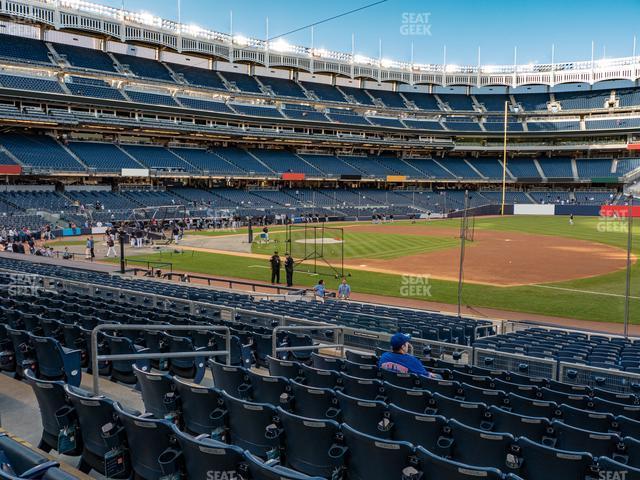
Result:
x=386 y=63
x=147 y=19
x=361 y=59
x=281 y=45
x=192 y=29
x=241 y=40
x=490 y=68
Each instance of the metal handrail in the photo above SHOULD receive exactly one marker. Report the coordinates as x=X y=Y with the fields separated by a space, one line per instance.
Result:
x=323 y=326
x=95 y=358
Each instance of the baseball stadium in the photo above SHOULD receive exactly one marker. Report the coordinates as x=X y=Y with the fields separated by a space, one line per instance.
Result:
x=230 y=257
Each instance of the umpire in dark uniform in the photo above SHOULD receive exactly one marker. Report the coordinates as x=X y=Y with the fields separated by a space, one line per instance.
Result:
x=288 y=268
x=275 y=267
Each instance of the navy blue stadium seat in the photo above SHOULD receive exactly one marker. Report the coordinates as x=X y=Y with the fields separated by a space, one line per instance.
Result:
x=538 y=460
x=532 y=407
x=587 y=420
x=419 y=429
x=122 y=370
x=285 y=368
x=21 y=462
x=366 y=416
x=368 y=389
x=479 y=447
x=317 y=378
x=312 y=446
x=371 y=458
x=470 y=413
x=435 y=467
x=51 y=398
x=158 y=393
x=207 y=458
x=314 y=402
x=269 y=389
x=202 y=408
x=418 y=401
x=102 y=433
x=534 y=428
x=252 y=426
x=577 y=439
x=612 y=468
x=258 y=469
x=147 y=439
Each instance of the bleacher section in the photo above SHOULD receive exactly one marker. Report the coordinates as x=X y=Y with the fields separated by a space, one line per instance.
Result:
x=199 y=76
x=23 y=49
x=244 y=83
x=157 y=158
x=144 y=67
x=582 y=100
x=87 y=58
x=208 y=161
x=200 y=104
x=103 y=157
x=282 y=161
x=40 y=153
x=90 y=87
x=556 y=167
x=594 y=168
x=325 y=92
x=282 y=87
x=35 y=84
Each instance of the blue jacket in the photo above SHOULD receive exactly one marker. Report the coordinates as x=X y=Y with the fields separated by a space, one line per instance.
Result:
x=401 y=363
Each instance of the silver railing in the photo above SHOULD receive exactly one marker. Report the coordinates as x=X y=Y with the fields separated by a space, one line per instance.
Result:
x=306 y=328
x=515 y=362
x=606 y=378
x=96 y=358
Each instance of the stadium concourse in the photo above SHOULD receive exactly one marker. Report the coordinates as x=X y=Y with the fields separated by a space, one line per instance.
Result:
x=510 y=187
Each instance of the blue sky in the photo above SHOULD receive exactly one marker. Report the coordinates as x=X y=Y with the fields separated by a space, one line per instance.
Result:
x=495 y=26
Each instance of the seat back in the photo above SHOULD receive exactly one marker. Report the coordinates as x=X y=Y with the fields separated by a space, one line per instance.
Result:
x=208 y=459
x=260 y=470
x=534 y=428
x=284 y=368
x=98 y=422
x=365 y=388
x=147 y=439
x=311 y=445
x=538 y=460
x=202 y=408
x=417 y=428
x=418 y=401
x=232 y=379
x=314 y=402
x=472 y=414
x=577 y=439
x=158 y=393
x=251 y=425
x=366 y=416
x=478 y=447
x=51 y=397
x=371 y=458
x=435 y=467
x=268 y=389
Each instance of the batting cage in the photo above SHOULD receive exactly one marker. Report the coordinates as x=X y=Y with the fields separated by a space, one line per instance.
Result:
x=316 y=248
x=158 y=220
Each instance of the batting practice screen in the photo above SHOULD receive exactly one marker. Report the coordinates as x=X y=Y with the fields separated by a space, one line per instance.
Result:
x=316 y=245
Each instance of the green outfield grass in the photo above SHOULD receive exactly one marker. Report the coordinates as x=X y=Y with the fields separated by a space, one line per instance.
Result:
x=598 y=298
x=363 y=245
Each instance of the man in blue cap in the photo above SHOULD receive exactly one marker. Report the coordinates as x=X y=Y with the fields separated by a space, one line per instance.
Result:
x=400 y=360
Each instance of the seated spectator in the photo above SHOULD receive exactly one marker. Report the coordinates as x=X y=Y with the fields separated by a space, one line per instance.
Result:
x=400 y=360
